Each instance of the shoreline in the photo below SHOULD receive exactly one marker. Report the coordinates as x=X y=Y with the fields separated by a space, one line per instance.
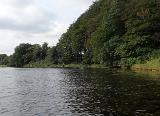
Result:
x=82 y=66
x=146 y=69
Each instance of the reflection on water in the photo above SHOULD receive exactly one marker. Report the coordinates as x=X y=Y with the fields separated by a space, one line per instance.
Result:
x=75 y=92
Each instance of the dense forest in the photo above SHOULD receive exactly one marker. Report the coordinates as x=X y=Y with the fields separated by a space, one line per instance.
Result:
x=110 y=32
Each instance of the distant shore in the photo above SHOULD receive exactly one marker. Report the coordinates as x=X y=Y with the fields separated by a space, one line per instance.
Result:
x=136 y=67
x=80 y=66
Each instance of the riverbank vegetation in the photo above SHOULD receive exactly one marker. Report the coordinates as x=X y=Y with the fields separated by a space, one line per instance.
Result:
x=4 y=60
x=111 y=33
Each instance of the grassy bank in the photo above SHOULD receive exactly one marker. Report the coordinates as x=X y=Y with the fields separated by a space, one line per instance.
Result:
x=44 y=64
x=152 y=65
x=84 y=66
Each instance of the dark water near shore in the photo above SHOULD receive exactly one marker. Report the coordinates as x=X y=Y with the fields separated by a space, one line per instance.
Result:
x=75 y=92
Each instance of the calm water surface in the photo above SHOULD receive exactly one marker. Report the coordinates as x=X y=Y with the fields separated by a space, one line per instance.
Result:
x=75 y=92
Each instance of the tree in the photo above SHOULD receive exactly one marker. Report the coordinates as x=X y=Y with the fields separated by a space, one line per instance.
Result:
x=64 y=49
x=110 y=32
x=4 y=59
x=37 y=53
x=22 y=55
x=44 y=50
x=52 y=55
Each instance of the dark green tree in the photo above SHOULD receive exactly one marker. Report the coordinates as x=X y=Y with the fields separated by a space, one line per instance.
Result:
x=4 y=60
x=22 y=55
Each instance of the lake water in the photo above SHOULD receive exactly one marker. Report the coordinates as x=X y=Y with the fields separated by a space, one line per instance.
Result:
x=76 y=92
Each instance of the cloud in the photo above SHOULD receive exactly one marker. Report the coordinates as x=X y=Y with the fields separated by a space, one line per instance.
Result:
x=30 y=17
x=36 y=21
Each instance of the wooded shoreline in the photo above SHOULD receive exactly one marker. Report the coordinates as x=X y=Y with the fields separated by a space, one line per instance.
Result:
x=82 y=66
x=110 y=32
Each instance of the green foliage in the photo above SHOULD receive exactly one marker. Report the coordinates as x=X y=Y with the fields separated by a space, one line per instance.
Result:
x=128 y=62
x=52 y=55
x=87 y=57
x=37 y=52
x=64 y=49
x=4 y=60
x=38 y=64
x=155 y=54
x=151 y=64
x=26 y=53
x=110 y=32
x=22 y=55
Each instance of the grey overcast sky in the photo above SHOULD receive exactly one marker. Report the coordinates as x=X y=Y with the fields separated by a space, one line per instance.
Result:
x=36 y=21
